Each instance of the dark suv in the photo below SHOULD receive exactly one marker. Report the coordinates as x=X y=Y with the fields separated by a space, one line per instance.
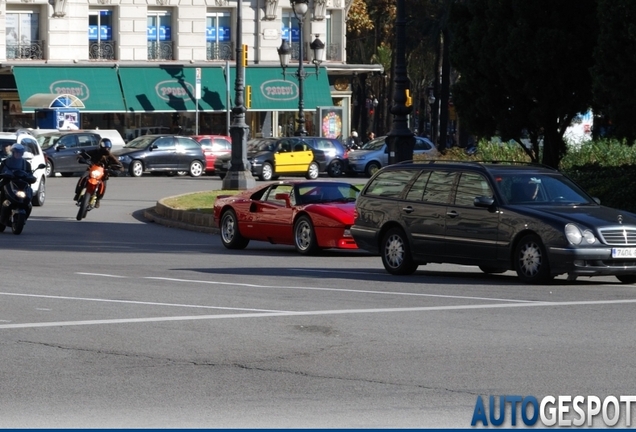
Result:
x=522 y=217
x=270 y=157
x=61 y=150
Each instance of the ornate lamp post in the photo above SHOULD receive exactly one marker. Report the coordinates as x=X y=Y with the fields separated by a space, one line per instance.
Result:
x=239 y=176
x=284 y=52
x=400 y=140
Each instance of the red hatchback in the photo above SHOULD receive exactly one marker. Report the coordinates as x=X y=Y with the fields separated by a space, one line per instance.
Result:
x=213 y=146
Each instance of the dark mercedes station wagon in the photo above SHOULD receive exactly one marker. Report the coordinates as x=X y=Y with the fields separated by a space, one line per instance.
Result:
x=499 y=216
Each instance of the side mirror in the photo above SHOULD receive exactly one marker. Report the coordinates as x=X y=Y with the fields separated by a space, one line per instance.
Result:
x=283 y=197
x=484 y=202
x=154 y=147
x=597 y=200
x=60 y=147
x=41 y=166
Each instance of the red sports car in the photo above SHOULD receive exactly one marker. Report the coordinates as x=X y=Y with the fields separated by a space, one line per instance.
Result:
x=311 y=215
x=213 y=146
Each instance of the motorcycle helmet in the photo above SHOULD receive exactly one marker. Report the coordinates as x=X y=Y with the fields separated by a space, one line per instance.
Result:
x=106 y=144
x=17 y=149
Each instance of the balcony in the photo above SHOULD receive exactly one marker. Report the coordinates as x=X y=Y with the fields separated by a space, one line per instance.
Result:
x=333 y=52
x=219 y=50
x=33 y=50
x=160 y=50
x=104 y=50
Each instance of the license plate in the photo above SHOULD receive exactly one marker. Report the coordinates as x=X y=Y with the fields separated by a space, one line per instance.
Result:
x=623 y=252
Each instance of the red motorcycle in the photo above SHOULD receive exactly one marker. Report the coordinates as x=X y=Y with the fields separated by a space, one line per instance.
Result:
x=91 y=186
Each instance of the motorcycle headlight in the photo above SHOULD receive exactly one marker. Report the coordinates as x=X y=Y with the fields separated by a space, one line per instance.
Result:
x=20 y=194
x=96 y=174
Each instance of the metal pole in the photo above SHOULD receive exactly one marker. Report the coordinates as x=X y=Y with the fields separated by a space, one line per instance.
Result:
x=239 y=176
x=227 y=97
x=300 y=74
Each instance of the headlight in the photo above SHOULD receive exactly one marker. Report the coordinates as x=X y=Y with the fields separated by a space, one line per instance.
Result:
x=20 y=194
x=96 y=174
x=123 y=158
x=576 y=236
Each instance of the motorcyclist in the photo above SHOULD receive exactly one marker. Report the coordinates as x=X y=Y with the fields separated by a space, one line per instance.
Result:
x=102 y=156
x=14 y=163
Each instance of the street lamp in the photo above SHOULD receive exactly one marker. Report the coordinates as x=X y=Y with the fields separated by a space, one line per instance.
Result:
x=284 y=52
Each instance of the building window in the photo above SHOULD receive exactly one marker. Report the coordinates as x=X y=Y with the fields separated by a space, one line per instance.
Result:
x=159 y=35
x=23 y=36
x=100 y=35
x=291 y=32
x=218 y=36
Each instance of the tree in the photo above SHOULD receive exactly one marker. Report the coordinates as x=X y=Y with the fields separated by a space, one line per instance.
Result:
x=525 y=66
x=614 y=78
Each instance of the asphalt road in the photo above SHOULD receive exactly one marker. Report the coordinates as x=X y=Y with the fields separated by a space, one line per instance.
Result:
x=117 y=322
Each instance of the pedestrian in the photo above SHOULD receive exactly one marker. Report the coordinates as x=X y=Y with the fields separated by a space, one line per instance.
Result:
x=370 y=136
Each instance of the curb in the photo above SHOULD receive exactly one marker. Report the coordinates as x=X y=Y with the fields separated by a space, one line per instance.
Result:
x=182 y=219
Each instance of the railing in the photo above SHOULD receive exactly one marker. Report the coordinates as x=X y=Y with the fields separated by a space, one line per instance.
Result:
x=160 y=50
x=104 y=50
x=220 y=50
x=33 y=50
x=295 y=46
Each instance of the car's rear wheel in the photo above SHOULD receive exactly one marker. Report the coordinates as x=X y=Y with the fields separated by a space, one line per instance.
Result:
x=531 y=261
x=627 y=279
x=372 y=168
x=230 y=235
x=267 y=173
x=40 y=194
x=48 y=171
x=491 y=270
x=313 y=171
x=335 y=169
x=305 y=236
x=136 y=168
x=396 y=253
x=196 y=168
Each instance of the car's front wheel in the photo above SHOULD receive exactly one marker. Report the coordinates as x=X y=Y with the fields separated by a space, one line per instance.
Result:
x=372 y=168
x=627 y=279
x=396 y=253
x=196 y=169
x=267 y=172
x=305 y=236
x=313 y=171
x=335 y=169
x=136 y=168
x=230 y=234
x=48 y=171
x=40 y=194
x=531 y=261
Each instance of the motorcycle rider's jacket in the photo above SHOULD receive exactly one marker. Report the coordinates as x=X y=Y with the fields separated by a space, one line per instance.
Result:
x=14 y=164
x=105 y=158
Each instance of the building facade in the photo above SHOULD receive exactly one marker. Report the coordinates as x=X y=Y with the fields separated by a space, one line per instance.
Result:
x=133 y=64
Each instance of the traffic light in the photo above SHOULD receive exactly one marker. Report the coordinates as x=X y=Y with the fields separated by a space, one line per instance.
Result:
x=244 y=55
x=409 y=99
x=248 y=96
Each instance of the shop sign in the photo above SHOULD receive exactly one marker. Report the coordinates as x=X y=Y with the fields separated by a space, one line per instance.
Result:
x=75 y=88
x=172 y=89
x=279 y=90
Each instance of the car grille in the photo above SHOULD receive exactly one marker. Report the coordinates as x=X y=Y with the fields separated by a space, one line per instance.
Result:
x=619 y=236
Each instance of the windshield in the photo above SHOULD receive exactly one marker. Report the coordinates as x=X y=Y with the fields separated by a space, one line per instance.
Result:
x=376 y=144
x=540 y=189
x=310 y=193
x=47 y=141
x=140 y=142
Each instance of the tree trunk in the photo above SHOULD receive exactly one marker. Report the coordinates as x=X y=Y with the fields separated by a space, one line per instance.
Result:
x=445 y=93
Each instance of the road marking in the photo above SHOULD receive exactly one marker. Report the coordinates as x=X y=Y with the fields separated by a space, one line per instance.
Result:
x=314 y=313
x=139 y=302
x=342 y=290
x=102 y=275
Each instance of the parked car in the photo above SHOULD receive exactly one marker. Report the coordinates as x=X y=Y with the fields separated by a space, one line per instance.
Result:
x=527 y=218
x=162 y=153
x=311 y=215
x=213 y=146
x=271 y=157
x=62 y=147
x=375 y=155
x=34 y=154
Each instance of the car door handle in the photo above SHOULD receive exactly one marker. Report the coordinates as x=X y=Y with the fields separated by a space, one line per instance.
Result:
x=408 y=209
x=452 y=214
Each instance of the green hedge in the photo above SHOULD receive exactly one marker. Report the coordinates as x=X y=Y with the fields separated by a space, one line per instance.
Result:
x=606 y=169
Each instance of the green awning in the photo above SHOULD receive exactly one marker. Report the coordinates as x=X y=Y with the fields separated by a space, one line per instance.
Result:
x=97 y=87
x=271 y=91
x=172 y=88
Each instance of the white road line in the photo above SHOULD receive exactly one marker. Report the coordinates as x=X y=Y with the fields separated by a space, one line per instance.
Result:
x=314 y=313
x=341 y=290
x=102 y=275
x=139 y=302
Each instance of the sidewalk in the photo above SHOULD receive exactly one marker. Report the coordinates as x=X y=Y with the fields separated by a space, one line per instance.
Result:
x=182 y=219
